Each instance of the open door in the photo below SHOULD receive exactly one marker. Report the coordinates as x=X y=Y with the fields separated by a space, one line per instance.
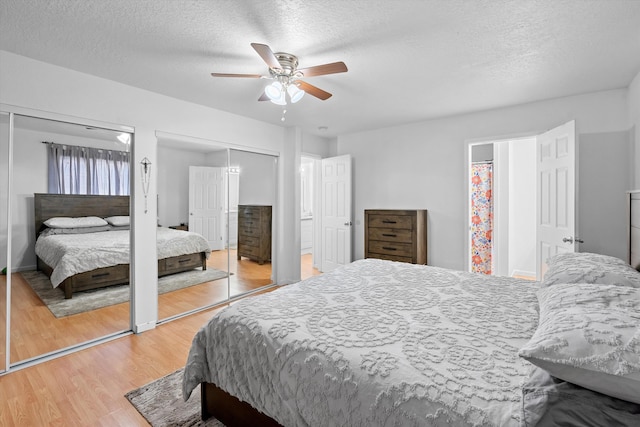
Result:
x=336 y=212
x=556 y=194
x=206 y=204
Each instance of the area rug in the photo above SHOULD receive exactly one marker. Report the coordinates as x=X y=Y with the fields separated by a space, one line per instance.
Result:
x=83 y=301
x=160 y=403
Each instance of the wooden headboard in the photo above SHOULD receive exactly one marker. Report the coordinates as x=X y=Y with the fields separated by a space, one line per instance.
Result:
x=74 y=205
x=634 y=229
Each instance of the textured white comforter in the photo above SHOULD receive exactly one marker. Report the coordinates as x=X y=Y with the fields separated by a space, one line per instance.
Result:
x=70 y=254
x=375 y=343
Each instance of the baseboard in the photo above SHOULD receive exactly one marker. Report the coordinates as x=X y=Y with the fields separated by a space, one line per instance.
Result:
x=23 y=268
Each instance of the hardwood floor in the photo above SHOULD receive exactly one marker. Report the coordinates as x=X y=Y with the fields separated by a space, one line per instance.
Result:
x=88 y=387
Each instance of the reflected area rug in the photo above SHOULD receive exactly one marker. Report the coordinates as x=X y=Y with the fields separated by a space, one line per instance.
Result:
x=83 y=301
x=160 y=403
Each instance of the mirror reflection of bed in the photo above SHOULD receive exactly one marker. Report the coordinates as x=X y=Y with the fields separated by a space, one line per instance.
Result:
x=35 y=329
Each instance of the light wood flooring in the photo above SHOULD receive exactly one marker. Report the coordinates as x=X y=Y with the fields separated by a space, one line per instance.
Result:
x=88 y=387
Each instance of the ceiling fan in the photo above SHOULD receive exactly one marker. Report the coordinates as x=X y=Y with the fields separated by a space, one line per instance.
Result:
x=283 y=68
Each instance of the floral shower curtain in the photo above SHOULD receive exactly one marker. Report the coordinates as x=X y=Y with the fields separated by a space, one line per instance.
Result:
x=481 y=217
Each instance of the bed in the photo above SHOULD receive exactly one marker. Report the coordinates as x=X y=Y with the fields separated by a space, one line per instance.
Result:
x=382 y=343
x=96 y=257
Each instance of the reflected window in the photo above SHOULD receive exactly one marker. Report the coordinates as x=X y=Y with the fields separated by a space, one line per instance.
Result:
x=87 y=170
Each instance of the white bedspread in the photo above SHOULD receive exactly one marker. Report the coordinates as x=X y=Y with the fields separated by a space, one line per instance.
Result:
x=375 y=343
x=70 y=254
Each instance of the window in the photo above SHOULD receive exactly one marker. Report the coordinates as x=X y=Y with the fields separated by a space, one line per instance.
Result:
x=86 y=170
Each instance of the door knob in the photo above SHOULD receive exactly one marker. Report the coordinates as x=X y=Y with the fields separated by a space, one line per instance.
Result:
x=347 y=223
x=571 y=240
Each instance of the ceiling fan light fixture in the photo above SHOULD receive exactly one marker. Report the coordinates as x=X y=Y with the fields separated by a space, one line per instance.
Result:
x=295 y=93
x=280 y=100
x=274 y=91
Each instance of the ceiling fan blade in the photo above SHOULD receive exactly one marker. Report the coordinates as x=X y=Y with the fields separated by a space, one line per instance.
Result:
x=319 y=70
x=312 y=90
x=247 y=76
x=267 y=55
x=264 y=97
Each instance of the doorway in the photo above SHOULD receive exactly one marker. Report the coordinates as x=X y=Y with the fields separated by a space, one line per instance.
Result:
x=502 y=207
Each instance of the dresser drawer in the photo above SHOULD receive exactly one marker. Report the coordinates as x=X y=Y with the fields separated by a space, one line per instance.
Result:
x=391 y=248
x=252 y=221
x=399 y=235
x=390 y=221
x=106 y=275
x=248 y=240
x=249 y=251
x=186 y=261
x=248 y=212
x=244 y=230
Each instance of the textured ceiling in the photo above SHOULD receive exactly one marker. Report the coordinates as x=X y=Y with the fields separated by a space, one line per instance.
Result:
x=408 y=60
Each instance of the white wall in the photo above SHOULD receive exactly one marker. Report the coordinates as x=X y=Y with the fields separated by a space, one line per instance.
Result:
x=35 y=85
x=634 y=125
x=603 y=178
x=522 y=207
x=257 y=179
x=173 y=183
x=422 y=165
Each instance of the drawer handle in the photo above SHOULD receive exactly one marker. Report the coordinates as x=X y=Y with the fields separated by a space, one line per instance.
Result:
x=389 y=248
x=183 y=260
x=98 y=275
x=389 y=235
x=388 y=221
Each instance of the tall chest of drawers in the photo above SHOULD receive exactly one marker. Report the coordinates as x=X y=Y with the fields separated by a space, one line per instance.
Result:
x=254 y=232
x=396 y=235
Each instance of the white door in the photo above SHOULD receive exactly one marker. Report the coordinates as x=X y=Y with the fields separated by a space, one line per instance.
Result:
x=336 y=212
x=206 y=204
x=556 y=194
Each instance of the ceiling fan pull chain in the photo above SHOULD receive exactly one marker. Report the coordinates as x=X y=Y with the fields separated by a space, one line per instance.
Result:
x=283 y=113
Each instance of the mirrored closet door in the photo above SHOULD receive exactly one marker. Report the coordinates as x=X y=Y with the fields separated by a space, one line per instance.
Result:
x=252 y=201
x=4 y=231
x=192 y=225
x=63 y=174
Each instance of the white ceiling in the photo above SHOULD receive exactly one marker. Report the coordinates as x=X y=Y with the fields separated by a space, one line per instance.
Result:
x=408 y=60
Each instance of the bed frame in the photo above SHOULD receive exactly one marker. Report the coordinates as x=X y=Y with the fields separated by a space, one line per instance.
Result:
x=73 y=205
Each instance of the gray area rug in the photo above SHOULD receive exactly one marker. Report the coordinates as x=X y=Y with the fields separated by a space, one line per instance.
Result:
x=98 y=298
x=160 y=403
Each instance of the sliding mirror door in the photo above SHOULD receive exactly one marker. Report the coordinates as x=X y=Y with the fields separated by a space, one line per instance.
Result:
x=66 y=170
x=4 y=231
x=192 y=223
x=252 y=200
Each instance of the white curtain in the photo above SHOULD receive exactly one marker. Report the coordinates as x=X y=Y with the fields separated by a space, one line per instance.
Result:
x=85 y=170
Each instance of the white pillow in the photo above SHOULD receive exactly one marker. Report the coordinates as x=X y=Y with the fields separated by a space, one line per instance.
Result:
x=584 y=267
x=589 y=335
x=80 y=230
x=69 y=222
x=118 y=221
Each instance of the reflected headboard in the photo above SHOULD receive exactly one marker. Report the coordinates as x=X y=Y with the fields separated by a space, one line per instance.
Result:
x=634 y=229
x=74 y=205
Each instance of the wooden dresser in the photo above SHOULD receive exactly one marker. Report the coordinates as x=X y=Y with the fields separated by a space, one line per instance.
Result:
x=397 y=235
x=254 y=232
